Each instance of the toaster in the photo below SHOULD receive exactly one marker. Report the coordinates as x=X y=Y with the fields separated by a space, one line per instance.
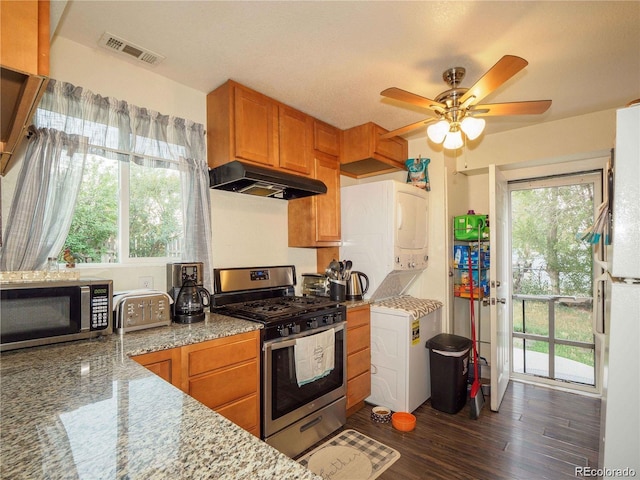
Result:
x=140 y=309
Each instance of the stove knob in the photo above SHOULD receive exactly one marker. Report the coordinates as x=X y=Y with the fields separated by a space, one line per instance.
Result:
x=313 y=323
x=284 y=331
x=328 y=320
x=295 y=328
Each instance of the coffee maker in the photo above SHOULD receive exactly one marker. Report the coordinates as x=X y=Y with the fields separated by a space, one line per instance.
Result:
x=184 y=281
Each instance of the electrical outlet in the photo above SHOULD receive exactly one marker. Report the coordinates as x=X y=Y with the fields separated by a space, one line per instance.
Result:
x=145 y=282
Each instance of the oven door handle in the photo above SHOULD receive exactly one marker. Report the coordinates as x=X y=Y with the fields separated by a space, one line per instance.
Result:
x=288 y=342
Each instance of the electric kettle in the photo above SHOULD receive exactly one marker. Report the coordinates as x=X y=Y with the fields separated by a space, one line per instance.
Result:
x=355 y=288
x=190 y=302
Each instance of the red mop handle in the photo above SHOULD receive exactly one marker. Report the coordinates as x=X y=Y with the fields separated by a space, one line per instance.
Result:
x=473 y=328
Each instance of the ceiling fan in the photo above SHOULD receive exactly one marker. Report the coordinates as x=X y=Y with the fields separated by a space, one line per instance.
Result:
x=456 y=111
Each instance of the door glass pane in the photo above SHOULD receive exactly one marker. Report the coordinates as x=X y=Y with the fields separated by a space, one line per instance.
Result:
x=531 y=357
x=547 y=256
x=531 y=316
x=518 y=355
x=518 y=316
x=536 y=317
x=552 y=276
x=573 y=319
x=575 y=364
x=536 y=357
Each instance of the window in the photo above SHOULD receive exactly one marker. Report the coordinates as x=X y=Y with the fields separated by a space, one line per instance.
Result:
x=110 y=182
x=125 y=212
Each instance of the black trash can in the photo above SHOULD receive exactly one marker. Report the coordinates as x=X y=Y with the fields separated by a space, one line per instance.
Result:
x=449 y=369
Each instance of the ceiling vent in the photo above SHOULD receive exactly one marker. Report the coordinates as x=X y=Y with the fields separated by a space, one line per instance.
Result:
x=113 y=43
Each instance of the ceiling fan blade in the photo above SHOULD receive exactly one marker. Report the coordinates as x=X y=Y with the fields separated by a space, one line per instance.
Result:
x=533 y=107
x=408 y=97
x=502 y=71
x=407 y=128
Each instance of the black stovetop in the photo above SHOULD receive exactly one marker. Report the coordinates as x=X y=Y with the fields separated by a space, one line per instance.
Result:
x=275 y=309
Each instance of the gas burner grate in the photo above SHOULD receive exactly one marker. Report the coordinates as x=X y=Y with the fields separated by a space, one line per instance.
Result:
x=280 y=306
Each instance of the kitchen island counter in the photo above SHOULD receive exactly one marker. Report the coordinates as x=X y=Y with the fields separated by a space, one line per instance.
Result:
x=85 y=410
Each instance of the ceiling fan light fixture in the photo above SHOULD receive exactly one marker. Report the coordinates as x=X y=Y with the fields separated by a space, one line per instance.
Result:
x=437 y=131
x=453 y=140
x=472 y=127
x=456 y=103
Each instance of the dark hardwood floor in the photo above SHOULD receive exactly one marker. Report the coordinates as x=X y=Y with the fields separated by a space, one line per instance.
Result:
x=539 y=433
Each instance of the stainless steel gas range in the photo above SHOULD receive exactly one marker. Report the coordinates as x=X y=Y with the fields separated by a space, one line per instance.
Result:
x=296 y=411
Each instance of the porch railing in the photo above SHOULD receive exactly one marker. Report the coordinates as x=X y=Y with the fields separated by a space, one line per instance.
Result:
x=552 y=301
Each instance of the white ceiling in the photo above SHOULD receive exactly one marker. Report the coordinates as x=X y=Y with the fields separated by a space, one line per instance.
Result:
x=331 y=59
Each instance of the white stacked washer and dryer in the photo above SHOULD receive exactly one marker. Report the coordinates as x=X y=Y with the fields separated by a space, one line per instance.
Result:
x=384 y=232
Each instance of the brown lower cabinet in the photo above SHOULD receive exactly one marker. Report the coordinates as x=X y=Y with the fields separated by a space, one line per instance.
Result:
x=358 y=357
x=165 y=364
x=223 y=374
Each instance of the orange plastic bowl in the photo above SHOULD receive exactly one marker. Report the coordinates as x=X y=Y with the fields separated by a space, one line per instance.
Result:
x=403 y=421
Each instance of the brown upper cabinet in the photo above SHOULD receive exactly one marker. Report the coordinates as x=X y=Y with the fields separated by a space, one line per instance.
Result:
x=364 y=154
x=295 y=139
x=24 y=60
x=25 y=36
x=326 y=138
x=315 y=221
x=243 y=124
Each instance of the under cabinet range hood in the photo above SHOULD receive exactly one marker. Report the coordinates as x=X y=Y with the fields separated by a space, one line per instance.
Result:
x=246 y=178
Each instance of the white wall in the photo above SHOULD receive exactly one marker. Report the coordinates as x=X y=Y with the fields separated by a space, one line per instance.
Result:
x=544 y=144
x=253 y=231
x=105 y=74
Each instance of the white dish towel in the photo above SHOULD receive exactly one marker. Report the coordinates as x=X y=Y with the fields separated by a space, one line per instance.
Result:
x=314 y=356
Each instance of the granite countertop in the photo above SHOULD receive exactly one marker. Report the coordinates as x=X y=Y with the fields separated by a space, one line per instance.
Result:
x=85 y=410
x=355 y=303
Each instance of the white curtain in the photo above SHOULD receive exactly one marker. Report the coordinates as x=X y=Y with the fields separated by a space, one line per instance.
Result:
x=44 y=199
x=115 y=129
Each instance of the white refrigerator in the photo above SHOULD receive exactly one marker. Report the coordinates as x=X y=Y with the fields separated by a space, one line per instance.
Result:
x=620 y=426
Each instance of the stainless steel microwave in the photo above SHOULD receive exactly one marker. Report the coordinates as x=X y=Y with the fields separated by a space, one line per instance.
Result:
x=40 y=313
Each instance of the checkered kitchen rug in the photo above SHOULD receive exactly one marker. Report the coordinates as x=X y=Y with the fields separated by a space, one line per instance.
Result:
x=350 y=455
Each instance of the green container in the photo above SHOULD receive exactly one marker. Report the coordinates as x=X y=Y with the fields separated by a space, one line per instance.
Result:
x=471 y=227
